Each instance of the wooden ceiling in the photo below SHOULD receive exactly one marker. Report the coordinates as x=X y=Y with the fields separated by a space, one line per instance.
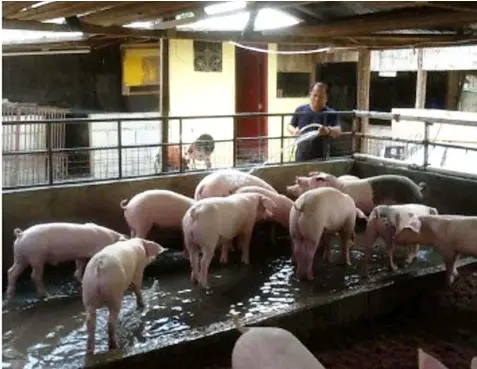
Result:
x=372 y=24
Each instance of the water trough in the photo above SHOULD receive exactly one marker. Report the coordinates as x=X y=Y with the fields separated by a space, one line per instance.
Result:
x=183 y=326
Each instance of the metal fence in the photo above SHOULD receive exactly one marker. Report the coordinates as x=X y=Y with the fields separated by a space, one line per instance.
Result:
x=112 y=148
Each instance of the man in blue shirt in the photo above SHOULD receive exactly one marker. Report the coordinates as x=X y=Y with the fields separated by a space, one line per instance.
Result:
x=317 y=147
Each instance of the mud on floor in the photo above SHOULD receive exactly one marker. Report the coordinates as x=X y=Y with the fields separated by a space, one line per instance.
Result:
x=444 y=324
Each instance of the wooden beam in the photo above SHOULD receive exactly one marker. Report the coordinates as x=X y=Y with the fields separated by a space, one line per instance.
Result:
x=459 y=8
x=85 y=28
x=421 y=82
x=364 y=86
x=63 y=9
x=165 y=101
x=388 y=21
x=12 y=7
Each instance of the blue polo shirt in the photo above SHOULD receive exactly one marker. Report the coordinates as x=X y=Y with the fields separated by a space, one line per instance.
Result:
x=317 y=147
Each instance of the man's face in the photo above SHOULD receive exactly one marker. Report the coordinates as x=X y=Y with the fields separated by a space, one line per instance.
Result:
x=318 y=97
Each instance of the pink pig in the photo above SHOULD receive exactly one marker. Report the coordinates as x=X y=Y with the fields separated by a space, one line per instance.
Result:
x=386 y=221
x=270 y=348
x=224 y=182
x=108 y=275
x=216 y=222
x=161 y=207
x=55 y=243
x=318 y=213
x=281 y=214
x=450 y=234
x=367 y=192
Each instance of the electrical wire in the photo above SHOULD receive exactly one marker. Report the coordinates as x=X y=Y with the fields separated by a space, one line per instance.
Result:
x=294 y=52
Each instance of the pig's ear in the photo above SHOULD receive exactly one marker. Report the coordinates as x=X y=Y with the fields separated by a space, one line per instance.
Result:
x=301 y=181
x=153 y=249
x=373 y=215
x=433 y=211
x=268 y=203
x=473 y=363
x=413 y=223
x=427 y=361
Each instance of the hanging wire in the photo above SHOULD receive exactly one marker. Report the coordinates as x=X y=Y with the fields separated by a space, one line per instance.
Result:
x=294 y=52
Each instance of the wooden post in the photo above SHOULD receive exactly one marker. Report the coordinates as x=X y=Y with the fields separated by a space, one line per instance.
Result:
x=364 y=84
x=165 y=101
x=455 y=80
x=421 y=82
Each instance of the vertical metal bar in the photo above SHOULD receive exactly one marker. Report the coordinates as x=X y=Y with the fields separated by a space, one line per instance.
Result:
x=327 y=144
x=234 y=141
x=354 y=141
x=180 y=146
x=120 y=150
x=282 y=139
x=426 y=144
x=50 y=153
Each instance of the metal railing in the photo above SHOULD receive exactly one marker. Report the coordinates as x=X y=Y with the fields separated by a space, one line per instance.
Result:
x=127 y=157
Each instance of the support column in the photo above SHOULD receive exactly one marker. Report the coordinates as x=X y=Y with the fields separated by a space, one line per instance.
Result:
x=421 y=82
x=363 y=85
x=165 y=100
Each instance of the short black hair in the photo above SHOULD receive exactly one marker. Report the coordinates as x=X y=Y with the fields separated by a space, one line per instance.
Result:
x=320 y=84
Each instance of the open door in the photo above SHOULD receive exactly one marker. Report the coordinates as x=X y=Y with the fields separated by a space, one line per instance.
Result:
x=251 y=80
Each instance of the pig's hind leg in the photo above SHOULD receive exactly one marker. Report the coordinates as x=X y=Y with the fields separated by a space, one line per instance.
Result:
x=243 y=243
x=91 y=329
x=37 y=277
x=114 y=308
x=346 y=233
x=13 y=273
x=80 y=264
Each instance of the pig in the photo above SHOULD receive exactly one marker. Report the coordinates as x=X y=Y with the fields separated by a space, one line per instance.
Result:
x=451 y=235
x=54 y=243
x=224 y=182
x=426 y=361
x=284 y=204
x=216 y=221
x=318 y=213
x=367 y=192
x=108 y=275
x=161 y=207
x=270 y=348
x=383 y=222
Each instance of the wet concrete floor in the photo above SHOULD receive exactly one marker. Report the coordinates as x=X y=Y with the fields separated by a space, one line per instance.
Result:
x=52 y=334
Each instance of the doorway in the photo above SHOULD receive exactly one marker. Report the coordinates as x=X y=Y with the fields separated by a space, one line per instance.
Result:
x=251 y=80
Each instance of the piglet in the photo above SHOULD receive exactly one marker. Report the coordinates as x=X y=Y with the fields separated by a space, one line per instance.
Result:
x=163 y=208
x=367 y=192
x=54 y=243
x=387 y=220
x=108 y=275
x=318 y=213
x=224 y=182
x=270 y=348
x=217 y=221
x=450 y=234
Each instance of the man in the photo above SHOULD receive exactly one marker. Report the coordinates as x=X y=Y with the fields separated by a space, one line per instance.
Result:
x=316 y=147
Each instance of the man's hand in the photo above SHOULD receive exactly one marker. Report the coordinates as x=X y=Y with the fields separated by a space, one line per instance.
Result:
x=324 y=131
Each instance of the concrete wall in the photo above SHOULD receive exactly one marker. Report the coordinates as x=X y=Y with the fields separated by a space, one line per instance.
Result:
x=100 y=202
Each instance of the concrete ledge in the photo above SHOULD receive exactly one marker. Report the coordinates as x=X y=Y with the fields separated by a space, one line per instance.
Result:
x=378 y=297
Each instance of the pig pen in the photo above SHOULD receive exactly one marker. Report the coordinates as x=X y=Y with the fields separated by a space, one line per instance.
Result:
x=183 y=326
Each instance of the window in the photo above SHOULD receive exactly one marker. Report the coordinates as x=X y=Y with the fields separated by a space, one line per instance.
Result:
x=293 y=84
x=207 y=56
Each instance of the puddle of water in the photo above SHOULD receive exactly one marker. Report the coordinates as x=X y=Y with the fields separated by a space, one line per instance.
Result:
x=52 y=334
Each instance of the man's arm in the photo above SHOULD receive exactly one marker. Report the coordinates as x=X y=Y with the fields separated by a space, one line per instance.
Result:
x=292 y=128
x=334 y=126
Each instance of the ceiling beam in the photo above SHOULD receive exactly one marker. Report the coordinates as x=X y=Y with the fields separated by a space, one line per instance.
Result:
x=388 y=21
x=12 y=7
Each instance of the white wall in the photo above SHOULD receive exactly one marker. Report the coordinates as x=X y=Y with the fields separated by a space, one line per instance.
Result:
x=135 y=161
x=202 y=93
